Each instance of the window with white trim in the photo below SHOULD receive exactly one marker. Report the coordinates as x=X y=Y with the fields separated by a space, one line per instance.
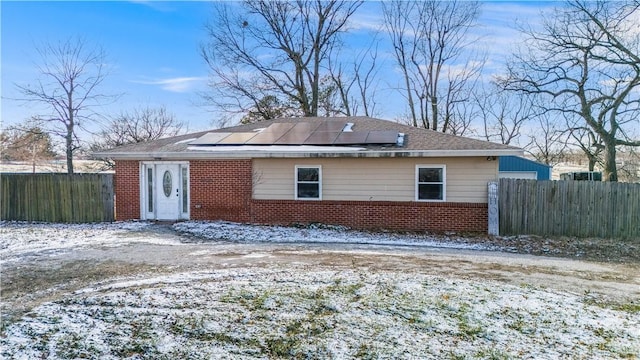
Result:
x=430 y=182
x=308 y=182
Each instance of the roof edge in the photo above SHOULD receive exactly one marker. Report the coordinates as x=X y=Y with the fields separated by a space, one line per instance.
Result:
x=294 y=154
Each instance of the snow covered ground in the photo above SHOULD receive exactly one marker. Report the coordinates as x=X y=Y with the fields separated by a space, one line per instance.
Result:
x=228 y=231
x=20 y=239
x=297 y=310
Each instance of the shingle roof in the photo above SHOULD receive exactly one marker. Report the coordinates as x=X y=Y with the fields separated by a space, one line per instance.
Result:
x=416 y=140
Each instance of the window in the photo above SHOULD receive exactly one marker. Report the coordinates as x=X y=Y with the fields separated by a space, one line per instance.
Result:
x=430 y=182
x=308 y=182
x=166 y=183
x=185 y=188
x=150 y=188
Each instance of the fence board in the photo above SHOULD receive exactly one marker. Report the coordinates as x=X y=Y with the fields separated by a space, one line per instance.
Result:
x=57 y=197
x=571 y=208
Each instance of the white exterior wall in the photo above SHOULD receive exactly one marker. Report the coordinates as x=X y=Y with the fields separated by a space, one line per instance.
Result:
x=374 y=179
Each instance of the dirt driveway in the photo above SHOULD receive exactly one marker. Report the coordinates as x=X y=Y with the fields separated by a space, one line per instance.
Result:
x=42 y=276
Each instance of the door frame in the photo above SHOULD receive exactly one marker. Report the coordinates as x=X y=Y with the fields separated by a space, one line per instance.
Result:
x=184 y=211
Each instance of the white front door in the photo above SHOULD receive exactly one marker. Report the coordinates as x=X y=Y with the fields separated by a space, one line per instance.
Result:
x=167 y=191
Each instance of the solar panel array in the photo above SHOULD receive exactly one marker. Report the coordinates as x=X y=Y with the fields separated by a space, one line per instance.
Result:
x=301 y=133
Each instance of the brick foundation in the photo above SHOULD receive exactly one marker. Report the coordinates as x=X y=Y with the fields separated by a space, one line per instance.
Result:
x=375 y=215
x=222 y=190
x=127 y=190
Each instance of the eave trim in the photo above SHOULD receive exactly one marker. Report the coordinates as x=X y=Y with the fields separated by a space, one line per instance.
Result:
x=182 y=155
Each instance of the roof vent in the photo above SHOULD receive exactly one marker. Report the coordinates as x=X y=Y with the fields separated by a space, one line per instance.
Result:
x=400 y=141
x=348 y=127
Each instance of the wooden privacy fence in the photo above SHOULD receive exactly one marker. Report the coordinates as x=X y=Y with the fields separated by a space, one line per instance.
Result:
x=75 y=198
x=571 y=208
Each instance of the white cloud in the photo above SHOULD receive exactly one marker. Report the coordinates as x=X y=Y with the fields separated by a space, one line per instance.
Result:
x=178 y=84
x=367 y=22
x=161 y=6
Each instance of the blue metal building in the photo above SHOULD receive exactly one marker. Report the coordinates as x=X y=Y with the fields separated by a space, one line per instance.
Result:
x=518 y=167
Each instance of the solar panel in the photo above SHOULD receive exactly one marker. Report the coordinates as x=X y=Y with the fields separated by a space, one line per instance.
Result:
x=382 y=137
x=238 y=138
x=264 y=138
x=351 y=138
x=332 y=126
x=298 y=134
x=279 y=128
x=211 y=138
x=323 y=133
x=322 y=138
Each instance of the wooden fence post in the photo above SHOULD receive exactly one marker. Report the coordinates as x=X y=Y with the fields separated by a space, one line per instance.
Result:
x=493 y=213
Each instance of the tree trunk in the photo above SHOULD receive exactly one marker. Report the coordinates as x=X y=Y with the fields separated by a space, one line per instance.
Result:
x=434 y=113
x=610 y=170
x=407 y=83
x=69 y=147
x=33 y=159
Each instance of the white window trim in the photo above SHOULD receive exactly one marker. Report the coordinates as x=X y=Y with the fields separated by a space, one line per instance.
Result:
x=444 y=181
x=295 y=181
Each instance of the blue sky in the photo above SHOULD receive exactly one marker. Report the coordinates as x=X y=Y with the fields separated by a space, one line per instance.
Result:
x=153 y=49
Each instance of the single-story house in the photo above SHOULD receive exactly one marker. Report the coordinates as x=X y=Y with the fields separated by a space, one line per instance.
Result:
x=359 y=172
x=516 y=167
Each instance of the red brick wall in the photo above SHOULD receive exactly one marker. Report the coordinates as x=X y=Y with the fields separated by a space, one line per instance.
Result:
x=220 y=189
x=374 y=215
x=127 y=189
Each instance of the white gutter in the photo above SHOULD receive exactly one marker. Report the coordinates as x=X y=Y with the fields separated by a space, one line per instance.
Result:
x=356 y=153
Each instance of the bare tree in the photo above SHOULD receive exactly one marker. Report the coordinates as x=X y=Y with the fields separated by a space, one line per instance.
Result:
x=460 y=118
x=547 y=140
x=583 y=137
x=268 y=108
x=330 y=97
x=72 y=73
x=586 y=62
x=503 y=114
x=279 y=49
x=31 y=144
x=630 y=164
x=431 y=42
x=355 y=81
x=139 y=125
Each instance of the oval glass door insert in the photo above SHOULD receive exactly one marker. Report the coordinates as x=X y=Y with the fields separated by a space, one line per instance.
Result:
x=166 y=183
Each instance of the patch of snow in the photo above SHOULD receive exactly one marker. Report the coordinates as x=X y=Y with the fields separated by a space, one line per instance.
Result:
x=185 y=141
x=292 y=309
x=256 y=255
x=288 y=311
x=20 y=239
x=235 y=232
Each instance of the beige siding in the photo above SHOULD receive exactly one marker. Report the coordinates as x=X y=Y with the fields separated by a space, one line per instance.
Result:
x=375 y=179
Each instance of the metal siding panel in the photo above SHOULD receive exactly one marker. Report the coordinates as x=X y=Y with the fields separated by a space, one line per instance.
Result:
x=515 y=163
